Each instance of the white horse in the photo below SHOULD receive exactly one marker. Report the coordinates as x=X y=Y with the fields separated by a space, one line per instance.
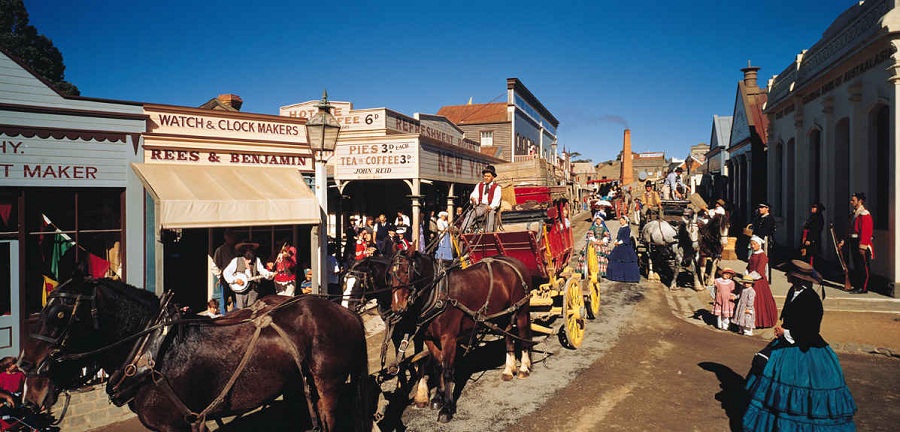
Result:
x=680 y=248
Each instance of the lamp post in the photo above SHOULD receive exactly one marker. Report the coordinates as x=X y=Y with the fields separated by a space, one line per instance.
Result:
x=322 y=131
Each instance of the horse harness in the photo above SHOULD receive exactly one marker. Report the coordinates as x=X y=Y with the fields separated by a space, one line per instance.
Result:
x=440 y=298
x=142 y=357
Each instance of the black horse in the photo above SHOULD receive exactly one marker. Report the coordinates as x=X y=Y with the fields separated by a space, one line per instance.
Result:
x=176 y=373
x=452 y=305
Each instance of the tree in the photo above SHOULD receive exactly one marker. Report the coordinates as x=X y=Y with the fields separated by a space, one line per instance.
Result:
x=23 y=41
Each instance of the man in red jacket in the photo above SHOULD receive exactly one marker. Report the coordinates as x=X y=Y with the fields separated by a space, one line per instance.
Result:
x=861 y=251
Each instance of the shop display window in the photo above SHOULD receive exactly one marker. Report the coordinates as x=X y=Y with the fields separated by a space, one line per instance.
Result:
x=70 y=232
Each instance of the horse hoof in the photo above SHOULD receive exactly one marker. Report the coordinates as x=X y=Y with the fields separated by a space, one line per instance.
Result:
x=506 y=377
x=421 y=404
x=444 y=417
x=524 y=374
x=435 y=405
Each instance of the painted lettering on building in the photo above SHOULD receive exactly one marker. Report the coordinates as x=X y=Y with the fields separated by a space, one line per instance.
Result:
x=376 y=160
x=28 y=161
x=225 y=157
x=199 y=123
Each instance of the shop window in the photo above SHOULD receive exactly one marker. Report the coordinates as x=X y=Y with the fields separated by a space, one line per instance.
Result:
x=487 y=138
x=9 y=214
x=70 y=232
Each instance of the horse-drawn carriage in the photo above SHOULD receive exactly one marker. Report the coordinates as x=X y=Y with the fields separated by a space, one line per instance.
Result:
x=542 y=240
x=676 y=239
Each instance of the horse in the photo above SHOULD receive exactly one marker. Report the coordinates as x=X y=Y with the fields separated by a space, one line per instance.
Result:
x=451 y=305
x=711 y=247
x=661 y=239
x=366 y=279
x=176 y=372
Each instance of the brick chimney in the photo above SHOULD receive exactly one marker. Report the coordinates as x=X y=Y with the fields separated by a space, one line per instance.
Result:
x=231 y=100
x=627 y=174
x=750 y=73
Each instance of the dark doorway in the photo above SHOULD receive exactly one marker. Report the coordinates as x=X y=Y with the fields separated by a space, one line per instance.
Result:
x=185 y=266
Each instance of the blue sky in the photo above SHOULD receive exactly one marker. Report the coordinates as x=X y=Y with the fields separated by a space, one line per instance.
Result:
x=664 y=67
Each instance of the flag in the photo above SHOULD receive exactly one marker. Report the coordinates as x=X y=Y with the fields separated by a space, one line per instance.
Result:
x=98 y=266
x=49 y=286
x=61 y=244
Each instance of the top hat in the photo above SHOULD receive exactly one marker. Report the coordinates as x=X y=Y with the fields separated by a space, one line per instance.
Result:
x=489 y=169
x=804 y=271
x=648 y=184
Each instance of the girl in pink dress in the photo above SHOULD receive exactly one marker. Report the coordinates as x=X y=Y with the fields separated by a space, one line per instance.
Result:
x=764 y=304
x=724 y=304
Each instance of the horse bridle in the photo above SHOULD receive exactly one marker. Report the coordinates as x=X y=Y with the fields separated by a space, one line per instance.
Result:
x=58 y=343
x=411 y=282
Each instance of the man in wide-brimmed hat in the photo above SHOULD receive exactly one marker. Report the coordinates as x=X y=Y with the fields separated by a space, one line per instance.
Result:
x=485 y=200
x=650 y=201
x=243 y=272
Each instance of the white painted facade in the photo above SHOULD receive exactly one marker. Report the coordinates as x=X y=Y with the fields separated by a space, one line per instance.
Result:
x=834 y=129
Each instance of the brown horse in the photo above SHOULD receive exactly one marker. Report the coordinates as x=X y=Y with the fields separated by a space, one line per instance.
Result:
x=449 y=306
x=176 y=373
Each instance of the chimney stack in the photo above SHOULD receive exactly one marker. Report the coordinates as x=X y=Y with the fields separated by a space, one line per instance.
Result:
x=750 y=73
x=231 y=100
x=627 y=175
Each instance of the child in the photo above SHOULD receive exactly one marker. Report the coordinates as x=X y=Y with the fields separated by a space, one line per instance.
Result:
x=724 y=304
x=212 y=309
x=306 y=285
x=744 y=314
x=12 y=381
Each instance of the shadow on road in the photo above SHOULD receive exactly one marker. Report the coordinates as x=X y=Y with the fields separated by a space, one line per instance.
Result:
x=705 y=315
x=733 y=396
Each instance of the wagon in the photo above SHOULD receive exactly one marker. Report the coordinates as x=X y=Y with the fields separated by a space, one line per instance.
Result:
x=541 y=238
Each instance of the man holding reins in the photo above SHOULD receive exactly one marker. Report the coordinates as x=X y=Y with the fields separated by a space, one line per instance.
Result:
x=485 y=200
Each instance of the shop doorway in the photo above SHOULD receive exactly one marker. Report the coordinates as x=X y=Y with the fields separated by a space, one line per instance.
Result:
x=9 y=298
x=185 y=266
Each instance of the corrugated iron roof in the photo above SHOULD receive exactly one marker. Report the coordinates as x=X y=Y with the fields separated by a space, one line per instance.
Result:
x=475 y=113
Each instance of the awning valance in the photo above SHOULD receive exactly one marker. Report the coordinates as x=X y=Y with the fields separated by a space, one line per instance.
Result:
x=204 y=196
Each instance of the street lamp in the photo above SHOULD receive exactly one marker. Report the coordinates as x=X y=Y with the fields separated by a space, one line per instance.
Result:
x=322 y=131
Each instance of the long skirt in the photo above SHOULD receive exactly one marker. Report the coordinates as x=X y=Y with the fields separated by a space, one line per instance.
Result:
x=764 y=305
x=799 y=391
x=623 y=265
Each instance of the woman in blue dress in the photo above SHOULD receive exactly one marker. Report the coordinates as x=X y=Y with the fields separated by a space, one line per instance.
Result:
x=796 y=382
x=623 y=261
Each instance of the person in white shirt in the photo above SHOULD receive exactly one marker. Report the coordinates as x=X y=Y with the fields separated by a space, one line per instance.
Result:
x=241 y=270
x=485 y=200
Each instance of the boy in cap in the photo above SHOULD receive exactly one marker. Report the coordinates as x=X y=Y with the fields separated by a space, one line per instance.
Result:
x=485 y=200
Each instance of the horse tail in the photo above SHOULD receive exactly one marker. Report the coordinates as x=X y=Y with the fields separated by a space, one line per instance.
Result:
x=363 y=408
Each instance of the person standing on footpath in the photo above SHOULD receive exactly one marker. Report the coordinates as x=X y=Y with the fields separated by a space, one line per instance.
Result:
x=381 y=232
x=765 y=310
x=811 y=242
x=763 y=226
x=221 y=258
x=241 y=270
x=861 y=251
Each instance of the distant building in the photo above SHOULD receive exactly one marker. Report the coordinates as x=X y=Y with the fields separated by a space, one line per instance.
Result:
x=521 y=127
x=650 y=166
x=747 y=149
x=834 y=132
x=717 y=158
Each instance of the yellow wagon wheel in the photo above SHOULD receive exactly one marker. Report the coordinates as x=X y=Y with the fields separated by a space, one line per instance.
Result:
x=593 y=282
x=571 y=335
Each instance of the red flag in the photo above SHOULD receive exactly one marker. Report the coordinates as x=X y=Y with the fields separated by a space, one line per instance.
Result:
x=98 y=266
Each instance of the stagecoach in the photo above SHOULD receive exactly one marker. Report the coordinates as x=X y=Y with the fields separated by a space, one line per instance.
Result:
x=537 y=232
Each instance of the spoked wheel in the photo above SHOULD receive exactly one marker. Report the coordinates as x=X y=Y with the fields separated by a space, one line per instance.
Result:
x=593 y=283
x=571 y=335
